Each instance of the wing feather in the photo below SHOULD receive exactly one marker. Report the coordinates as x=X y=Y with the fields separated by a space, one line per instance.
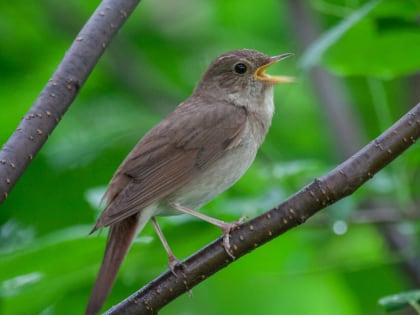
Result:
x=171 y=154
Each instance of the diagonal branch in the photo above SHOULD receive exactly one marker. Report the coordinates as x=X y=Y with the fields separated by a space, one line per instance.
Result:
x=61 y=90
x=340 y=182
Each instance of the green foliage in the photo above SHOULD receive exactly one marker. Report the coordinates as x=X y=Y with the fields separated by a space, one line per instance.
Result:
x=48 y=262
x=384 y=45
x=402 y=300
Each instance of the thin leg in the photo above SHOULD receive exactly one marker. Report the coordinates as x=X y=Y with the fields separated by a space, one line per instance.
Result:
x=225 y=226
x=173 y=261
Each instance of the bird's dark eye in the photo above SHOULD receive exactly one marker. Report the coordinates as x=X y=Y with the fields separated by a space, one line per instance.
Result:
x=240 y=68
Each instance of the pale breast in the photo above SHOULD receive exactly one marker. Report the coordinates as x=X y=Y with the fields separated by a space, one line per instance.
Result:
x=216 y=178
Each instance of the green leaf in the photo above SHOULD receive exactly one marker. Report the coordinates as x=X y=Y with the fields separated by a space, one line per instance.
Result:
x=385 y=44
x=401 y=300
x=368 y=50
x=314 y=53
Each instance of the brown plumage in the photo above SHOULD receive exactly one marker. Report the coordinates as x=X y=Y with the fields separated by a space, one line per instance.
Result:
x=194 y=154
x=170 y=155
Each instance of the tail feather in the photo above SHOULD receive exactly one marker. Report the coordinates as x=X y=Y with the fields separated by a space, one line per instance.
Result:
x=120 y=237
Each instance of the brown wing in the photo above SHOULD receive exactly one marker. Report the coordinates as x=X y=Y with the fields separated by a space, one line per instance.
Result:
x=189 y=139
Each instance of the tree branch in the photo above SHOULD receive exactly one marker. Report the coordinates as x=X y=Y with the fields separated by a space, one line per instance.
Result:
x=340 y=182
x=61 y=90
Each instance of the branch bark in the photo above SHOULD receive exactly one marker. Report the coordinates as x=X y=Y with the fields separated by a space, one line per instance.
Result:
x=61 y=90
x=340 y=182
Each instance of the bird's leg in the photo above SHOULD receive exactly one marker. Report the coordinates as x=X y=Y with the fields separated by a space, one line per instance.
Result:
x=173 y=261
x=226 y=227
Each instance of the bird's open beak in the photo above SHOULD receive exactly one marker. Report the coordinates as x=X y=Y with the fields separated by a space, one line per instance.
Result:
x=260 y=74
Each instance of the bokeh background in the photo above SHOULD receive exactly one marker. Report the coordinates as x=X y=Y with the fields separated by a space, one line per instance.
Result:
x=357 y=67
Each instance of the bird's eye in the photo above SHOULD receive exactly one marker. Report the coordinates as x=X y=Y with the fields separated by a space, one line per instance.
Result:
x=240 y=68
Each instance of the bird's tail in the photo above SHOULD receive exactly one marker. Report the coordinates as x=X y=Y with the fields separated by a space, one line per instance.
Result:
x=120 y=237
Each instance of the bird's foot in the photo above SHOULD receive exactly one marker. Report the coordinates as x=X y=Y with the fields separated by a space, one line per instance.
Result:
x=227 y=227
x=173 y=263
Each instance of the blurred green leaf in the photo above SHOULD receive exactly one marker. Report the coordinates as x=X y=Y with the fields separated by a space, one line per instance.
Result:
x=315 y=52
x=401 y=300
x=385 y=44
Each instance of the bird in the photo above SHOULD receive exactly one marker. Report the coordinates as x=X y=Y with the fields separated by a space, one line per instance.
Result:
x=198 y=151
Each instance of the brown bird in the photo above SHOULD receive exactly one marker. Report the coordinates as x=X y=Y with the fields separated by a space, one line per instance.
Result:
x=198 y=151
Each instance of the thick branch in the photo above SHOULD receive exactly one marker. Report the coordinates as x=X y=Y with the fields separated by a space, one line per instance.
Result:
x=61 y=90
x=340 y=182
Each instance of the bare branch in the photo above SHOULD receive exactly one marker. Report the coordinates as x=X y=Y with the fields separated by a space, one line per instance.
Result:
x=340 y=182
x=61 y=90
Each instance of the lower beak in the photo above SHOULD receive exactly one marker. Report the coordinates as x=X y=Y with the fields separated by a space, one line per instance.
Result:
x=260 y=74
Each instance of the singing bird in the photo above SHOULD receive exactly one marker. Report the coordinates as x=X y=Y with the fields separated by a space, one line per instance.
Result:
x=198 y=151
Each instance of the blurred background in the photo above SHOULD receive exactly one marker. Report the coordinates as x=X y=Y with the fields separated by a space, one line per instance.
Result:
x=357 y=67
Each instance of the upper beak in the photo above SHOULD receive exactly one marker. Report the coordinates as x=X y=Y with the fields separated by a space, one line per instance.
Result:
x=260 y=74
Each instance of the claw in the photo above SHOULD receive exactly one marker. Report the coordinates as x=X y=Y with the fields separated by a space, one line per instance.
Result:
x=173 y=262
x=227 y=228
